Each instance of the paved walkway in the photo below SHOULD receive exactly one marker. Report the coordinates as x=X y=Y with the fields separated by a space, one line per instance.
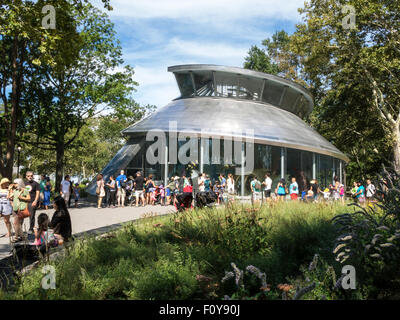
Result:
x=88 y=218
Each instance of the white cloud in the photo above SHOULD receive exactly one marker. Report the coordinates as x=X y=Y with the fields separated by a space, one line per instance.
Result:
x=207 y=9
x=161 y=33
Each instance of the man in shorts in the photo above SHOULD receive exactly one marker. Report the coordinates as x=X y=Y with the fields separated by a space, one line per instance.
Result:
x=139 y=188
x=121 y=192
x=268 y=186
x=255 y=187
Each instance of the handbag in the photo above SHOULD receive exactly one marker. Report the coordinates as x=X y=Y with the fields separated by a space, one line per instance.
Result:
x=97 y=190
x=22 y=214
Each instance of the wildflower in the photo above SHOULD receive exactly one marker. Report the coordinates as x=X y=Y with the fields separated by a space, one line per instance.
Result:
x=228 y=275
x=266 y=288
x=260 y=275
x=347 y=238
x=338 y=284
x=200 y=277
x=313 y=263
x=340 y=246
x=385 y=245
x=284 y=287
x=238 y=274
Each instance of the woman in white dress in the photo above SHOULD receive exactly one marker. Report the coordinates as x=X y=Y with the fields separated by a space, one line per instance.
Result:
x=100 y=190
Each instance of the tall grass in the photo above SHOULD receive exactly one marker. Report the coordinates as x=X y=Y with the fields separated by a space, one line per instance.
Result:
x=185 y=256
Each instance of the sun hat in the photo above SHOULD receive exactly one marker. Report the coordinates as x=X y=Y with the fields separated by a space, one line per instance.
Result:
x=3 y=181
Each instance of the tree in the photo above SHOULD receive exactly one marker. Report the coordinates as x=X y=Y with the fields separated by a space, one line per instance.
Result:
x=353 y=75
x=361 y=64
x=258 y=60
x=86 y=79
x=20 y=28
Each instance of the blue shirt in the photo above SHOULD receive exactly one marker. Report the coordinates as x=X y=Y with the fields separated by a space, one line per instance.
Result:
x=119 y=178
x=362 y=189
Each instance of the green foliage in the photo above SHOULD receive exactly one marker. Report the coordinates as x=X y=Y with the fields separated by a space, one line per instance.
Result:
x=185 y=256
x=369 y=239
x=259 y=60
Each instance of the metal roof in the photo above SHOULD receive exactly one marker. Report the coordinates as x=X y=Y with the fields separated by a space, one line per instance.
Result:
x=214 y=80
x=230 y=118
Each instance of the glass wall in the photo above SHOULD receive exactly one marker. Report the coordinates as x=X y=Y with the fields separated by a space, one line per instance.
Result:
x=297 y=163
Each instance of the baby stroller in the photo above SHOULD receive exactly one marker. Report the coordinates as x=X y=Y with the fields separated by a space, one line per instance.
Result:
x=206 y=198
x=130 y=193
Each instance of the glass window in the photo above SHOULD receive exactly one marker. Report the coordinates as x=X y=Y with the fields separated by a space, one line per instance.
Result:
x=325 y=172
x=185 y=84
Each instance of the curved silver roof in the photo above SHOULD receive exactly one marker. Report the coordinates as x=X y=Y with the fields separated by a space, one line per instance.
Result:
x=230 y=117
x=233 y=82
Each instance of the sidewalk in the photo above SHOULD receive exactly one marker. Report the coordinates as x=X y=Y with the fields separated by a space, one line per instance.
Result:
x=87 y=218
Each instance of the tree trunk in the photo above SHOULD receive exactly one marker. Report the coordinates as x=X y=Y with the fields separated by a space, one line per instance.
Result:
x=7 y=170
x=59 y=162
x=396 y=147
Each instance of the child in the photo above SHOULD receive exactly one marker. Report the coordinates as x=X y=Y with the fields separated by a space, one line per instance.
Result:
x=42 y=236
x=310 y=195
x=76 y=194
x=162 y=194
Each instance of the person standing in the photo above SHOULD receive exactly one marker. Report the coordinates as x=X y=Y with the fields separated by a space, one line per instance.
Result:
x=360 y=193
x=47 y=194
x=371 y=190
x=268 y=186
x=315 y=188
x=71 y=192
x=201 y=180
x=255 y=187
x=294 y=189
x=100 y=190
x=150 y=188
x=42 y=185
x=21 y=202
x=65 y=188
x=76 y=194
x=5 y=204
x=139 y=188
x=112 y=189
x=121 y=182
x=281 y=190
x=34 y=190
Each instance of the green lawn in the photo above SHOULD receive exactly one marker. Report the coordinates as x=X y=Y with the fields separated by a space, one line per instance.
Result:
x=185 y=256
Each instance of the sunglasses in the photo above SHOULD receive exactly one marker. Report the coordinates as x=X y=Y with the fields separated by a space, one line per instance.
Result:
x=29 y=176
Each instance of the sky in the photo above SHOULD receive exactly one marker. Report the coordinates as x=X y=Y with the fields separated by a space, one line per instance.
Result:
x=156 y=34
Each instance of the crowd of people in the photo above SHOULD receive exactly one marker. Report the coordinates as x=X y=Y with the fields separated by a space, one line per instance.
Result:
x=121 y=191
x=21 y=198
x=311 y=192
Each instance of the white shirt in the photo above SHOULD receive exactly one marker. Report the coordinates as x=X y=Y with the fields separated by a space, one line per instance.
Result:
x=202 y=187
x=65 y=186
x=230 y=183
x=268 y=183
x=370 y=190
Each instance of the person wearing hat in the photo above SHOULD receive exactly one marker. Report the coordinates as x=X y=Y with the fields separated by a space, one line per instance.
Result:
x=5 y=204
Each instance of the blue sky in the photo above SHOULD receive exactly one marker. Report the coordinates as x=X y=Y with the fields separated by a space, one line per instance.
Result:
x=156 y=34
